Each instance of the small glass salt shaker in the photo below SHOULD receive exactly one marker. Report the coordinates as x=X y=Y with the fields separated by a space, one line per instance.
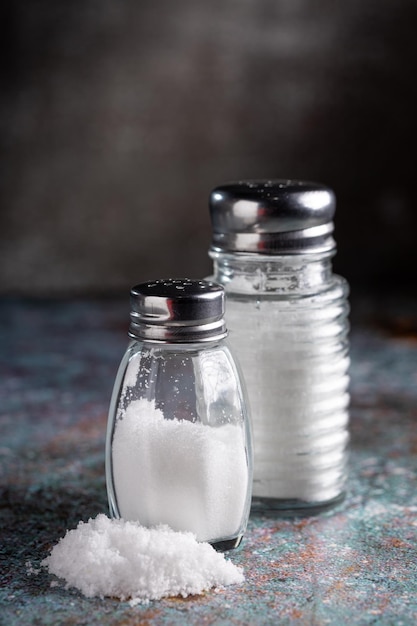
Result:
x=178 y=447
x=287 y=314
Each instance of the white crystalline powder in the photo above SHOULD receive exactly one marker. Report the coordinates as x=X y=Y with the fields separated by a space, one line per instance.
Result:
x=187 y=475
x=131 y=374
x=124 y=560
x=295 y=365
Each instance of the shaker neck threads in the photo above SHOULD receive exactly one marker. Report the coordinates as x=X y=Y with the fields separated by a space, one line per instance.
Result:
x=255 y=274
x=177 y=311
x=272 y=217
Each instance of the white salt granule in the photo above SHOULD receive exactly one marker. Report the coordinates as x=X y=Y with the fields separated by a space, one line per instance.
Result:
x=30 y=570
x=108 y=557
x=187 y=475
x=131 y=374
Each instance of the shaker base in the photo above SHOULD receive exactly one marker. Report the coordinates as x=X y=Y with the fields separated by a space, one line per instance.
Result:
x=280 y=507
x=227 y=544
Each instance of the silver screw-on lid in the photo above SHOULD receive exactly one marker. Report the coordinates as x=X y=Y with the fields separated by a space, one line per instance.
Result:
x=177 y=310
x=272 y=217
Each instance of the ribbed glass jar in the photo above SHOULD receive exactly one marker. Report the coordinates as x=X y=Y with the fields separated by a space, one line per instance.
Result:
x=287 y=315
x=287 y=320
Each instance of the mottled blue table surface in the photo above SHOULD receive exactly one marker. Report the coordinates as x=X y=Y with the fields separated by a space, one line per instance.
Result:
x=354 y=565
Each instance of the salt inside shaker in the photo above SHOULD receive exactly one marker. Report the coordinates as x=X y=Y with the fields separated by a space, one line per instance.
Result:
x=178 y=448
x=287 y=314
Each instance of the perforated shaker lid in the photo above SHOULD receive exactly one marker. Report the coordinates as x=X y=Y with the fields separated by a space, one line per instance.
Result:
x=179 y=310
x=272 y=217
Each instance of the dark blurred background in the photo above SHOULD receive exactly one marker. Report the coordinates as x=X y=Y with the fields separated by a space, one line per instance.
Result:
x=117 y=118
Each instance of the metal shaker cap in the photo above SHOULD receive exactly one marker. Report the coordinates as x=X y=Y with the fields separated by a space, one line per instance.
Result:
x=178 y=310
x=272 y=217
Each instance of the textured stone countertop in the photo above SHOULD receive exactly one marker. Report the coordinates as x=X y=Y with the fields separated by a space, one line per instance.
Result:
x=354 y=565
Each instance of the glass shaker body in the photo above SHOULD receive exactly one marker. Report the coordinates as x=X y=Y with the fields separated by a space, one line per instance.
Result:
x=287 y=315
x=287 y=320
x=178 y=446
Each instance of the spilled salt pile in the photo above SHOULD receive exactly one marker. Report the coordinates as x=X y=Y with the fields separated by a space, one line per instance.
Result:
x=107 y=557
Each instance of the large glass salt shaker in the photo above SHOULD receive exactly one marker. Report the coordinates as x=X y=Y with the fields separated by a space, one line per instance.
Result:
x=178 y=449
x=287 y=314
